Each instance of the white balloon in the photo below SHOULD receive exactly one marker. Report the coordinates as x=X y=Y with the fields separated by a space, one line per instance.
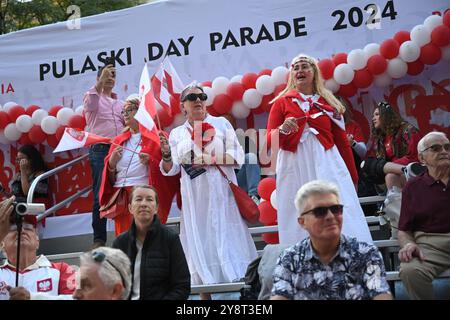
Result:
x=211 y=95
x=239 y=110
x=64 y=115
x=265 y=85
x=382 y=80
x=11 y=132
x=178 y=120
x=3 y=139
x=357 y=59
x=332 y=85
x=343 y=74
x=273 y=199
x=372 y=49
x=252 y=98
x=79 y=110
x=236 y=78
x=219 y=85
x=38 y=115
x=397 y=68
x=279 y=75
x=420 y=35
x=133 y=96
x=409 y=51
x=446 y=52
x=9 y=105
x=432 y=22
x=49 y=124
x=1 y=108
x=24 y=123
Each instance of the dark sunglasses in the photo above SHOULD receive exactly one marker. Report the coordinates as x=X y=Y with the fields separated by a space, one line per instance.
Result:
x=321 y=212
x=128 y=111
x=100 y=257
x=438 y=147
x=194 y=96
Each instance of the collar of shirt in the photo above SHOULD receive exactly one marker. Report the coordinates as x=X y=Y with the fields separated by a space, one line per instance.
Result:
x=189 y=127
x=310 y=253
x=429 y=180
x=40 y=262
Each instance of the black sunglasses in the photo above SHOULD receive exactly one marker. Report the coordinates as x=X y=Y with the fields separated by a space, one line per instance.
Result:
x=127 y=111
x=100 y=257
x=321 y=212
x=438 y=147
x=194 y=96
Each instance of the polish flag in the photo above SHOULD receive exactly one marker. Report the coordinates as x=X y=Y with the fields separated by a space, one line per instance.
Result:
x=147 y=108
x=74 y=139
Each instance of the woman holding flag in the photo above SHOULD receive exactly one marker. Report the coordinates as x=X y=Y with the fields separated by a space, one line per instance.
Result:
x=306 y=122
x=133 y=159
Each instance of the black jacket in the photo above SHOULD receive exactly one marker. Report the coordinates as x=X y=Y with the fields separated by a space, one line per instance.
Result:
x=164 y=270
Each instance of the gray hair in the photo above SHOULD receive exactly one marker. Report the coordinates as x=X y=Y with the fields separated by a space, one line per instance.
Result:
x=423 y=143
x=313 y=187
x=188 y=88
x=116 y=268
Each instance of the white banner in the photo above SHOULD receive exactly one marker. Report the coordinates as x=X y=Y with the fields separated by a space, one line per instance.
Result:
x=56 y=64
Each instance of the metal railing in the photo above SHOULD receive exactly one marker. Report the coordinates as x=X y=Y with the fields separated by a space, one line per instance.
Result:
x=50 y=173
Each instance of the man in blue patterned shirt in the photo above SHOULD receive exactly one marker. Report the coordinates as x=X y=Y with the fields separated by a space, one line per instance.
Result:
x=327 y=264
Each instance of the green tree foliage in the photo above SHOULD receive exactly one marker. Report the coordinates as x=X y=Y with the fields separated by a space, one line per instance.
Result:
x=16 y=15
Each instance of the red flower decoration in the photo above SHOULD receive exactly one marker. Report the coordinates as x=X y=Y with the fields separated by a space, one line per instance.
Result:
x=203 y=134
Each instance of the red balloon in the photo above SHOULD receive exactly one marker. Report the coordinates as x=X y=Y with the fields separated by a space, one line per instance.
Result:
x=24 y=139
x=258 y=110
x=207 y=84
x=53 y=111
x=29 y=111
x=363 y=78
x=266 y=187
x=339 y=58
x=271 y=238
x=36 y=134
x=430 y=54
x=347 y=90
x=265 y=72
x=278 y=89
x=389 y=48
x=376 y=64
x=265 y=102
x=4 y=119
x=416 y=67
x=235 y=91
x=59 y=132
x=440 y=36
x=15 y=112
x=222 y=103
x=77 y=122
x=446 y=19
x=52 y=140
x=213 y=111
x=164 y=118
x=267 y=213
x=326 y=67
x=249 y=80
x=402 y=36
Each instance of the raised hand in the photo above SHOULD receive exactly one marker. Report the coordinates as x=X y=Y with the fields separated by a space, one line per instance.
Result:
x=116 y=155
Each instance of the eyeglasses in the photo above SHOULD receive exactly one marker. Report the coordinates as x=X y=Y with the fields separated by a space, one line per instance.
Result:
x=128 y=111
x=99 y=257
x=194 y=96
x=321 y=212
x=438 y=147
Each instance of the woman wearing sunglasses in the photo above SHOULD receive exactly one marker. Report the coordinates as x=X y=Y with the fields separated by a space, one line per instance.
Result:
x=133 y=159
x=215 y=239
x=306 y=127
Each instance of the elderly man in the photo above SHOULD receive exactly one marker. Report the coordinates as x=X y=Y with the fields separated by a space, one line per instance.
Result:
x=327 y=264
x=104 y=274
x=424 y=227
x=39 y=279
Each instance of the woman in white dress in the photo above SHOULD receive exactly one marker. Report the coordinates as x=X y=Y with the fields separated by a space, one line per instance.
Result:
x=215 y=239
x=306 y=127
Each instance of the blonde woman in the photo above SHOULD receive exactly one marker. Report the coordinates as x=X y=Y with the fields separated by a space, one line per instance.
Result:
x=306 y=123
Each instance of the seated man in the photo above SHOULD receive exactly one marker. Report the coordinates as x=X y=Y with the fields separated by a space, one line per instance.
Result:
x=104 y=274
x=158 y=264
x=39 y=278
x=327 y=264
x=424 y=226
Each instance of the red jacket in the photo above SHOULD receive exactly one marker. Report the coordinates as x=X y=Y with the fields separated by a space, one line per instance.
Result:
x=330 y=133
x=167 y=187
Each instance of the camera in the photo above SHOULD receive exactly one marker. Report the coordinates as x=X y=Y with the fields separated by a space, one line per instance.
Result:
x=23 y=209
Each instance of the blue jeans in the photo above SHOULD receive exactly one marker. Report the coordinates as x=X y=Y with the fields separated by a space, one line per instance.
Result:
x=248 y=176
x=97 y=154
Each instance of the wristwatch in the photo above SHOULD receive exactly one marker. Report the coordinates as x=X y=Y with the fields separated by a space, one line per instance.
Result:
x=353 y=144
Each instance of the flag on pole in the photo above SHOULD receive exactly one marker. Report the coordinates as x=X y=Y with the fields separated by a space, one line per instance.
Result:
x=75 y=139
x=147 y=109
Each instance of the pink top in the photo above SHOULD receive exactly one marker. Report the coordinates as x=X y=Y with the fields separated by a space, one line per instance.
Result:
x=102 y=113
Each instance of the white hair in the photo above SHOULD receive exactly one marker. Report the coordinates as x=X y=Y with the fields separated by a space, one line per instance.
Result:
x=423 y=143
x=313 y=187
x=116 y=268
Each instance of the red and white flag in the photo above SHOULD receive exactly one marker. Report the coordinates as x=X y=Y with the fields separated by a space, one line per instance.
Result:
x=147 y=109
x=74 y=139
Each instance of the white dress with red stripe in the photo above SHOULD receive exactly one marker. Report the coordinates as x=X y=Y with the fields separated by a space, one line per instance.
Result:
x=311 y=162
x=43 y=279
